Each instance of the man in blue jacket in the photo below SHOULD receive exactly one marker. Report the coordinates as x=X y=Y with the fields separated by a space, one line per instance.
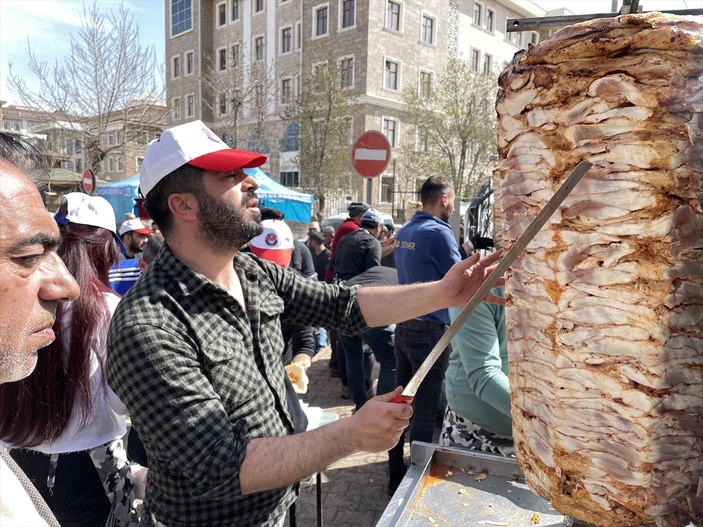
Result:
x=425 y=249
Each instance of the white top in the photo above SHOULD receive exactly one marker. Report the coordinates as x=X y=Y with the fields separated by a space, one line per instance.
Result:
x=16 y=509
x=107 y=419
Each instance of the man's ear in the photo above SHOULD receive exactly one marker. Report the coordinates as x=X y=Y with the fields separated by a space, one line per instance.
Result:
x=183 y=206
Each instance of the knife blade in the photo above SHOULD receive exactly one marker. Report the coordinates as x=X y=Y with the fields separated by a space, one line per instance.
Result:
x=552 y=205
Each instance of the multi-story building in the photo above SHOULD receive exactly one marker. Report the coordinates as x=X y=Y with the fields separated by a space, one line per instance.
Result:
x=218 y=49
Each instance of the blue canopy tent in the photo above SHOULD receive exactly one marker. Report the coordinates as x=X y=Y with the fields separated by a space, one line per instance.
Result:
x=295 y=205
x=121 y=195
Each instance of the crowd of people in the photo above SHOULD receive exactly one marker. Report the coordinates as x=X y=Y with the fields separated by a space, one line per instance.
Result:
x=186 y=323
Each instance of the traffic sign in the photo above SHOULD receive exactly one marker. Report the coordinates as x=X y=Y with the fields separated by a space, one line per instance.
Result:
x=88 y=181
x=371 y=154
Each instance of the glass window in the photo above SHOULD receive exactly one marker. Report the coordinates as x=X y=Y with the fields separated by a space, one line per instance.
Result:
x=222 y=104
x=321 y=16
x=258 y=6
x=425 y=84
x=189 y=63
x=259 y=48
x=176 y=108
x=286 y=91
x=176 y=64
x=290 y=179
x=427 y=32
x=298 y=35
x=389 y=130
x=181 y=16
x=235 y=10
x=235 y=54
x=478 y=12
x=348 y=13
x=221 y=14
x=475 y=60
x=487 y=64
x=190 y=109
x=490 y=20
x=346 y=71
x=291 y=139
x=286 y=39
x=421 y=140
x=387 y=189
x=393 y=15
x=222 y=59
x=391 y=75
x=259 y=90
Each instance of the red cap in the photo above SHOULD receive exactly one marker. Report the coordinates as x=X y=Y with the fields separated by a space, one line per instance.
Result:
x=228 y=159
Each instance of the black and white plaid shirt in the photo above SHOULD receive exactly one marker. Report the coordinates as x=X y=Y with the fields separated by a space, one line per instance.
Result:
x=201 y=378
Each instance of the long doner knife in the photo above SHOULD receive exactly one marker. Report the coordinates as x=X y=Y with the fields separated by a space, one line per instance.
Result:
x=552 y=205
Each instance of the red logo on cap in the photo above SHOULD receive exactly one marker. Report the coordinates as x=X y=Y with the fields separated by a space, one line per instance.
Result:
x=271 y=239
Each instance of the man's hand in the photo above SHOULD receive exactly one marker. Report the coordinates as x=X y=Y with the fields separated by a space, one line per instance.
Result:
x=379 y=423
x=465 y=277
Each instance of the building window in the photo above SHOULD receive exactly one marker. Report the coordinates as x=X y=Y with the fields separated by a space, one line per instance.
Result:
x=286 y=91
x=222 y=104
x=421 y=140
x=390 y=76
x=190 y=105
x=321 y=20
x=290 y=179
x=138 y=163
x=348 y=13
x=298 y=35
x=176 y=67
x=487 y=64
x=291 y=138
x=393 y=15
x=222 y=59
x=221 y=14
x=478 y=14
x=235 y=55
x=390 y=129
x=259 y=93
x=176 y=108
x=258 y=6
x=346 y=72
x=475 y=60
x=181 y=16
x=235 y=10
x=427 y=30
x=286 y=39
x=189 y=63
x=142 y=137
x=111 y=139
x=425 y=88
x=490 y=20
x=259 y=48
x=386 y=189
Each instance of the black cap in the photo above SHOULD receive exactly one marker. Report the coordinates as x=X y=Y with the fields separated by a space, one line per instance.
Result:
x=357 y=208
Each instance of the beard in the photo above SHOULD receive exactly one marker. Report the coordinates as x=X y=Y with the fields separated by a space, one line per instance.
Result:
x=225 y=227
x=445 y=215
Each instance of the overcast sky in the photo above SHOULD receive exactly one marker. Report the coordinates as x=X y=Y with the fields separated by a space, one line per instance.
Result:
x=47 y=24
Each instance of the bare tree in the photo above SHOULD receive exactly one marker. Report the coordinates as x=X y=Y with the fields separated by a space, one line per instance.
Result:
x=107 y=76
x=323 y=113
x=454 y=124
x=236 y=97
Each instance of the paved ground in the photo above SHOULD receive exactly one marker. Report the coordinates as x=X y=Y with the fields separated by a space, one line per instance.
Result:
x=353 y=489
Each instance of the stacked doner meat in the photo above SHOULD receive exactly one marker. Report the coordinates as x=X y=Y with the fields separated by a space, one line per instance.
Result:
x=605 y=308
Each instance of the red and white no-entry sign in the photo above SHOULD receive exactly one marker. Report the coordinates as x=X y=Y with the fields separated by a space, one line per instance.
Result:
x=88 y=181
x=371 y=154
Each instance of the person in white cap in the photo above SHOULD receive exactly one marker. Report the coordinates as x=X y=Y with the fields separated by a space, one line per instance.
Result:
x=194 y=348
x=133 y=234
x=67 y=426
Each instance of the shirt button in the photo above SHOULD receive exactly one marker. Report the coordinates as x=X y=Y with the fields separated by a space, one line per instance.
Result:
x=229 y=351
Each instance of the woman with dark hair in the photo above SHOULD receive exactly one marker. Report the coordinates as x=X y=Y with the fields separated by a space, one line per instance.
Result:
x=63 y=423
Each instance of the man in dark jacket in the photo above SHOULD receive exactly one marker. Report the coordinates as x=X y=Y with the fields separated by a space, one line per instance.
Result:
x=360 y=250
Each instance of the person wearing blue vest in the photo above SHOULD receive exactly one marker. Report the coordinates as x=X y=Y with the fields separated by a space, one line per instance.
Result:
x=125 y=272
x=424 y=249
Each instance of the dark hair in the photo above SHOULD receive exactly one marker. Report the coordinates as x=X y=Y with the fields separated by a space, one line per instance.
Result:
x=433 y=189
x=269 y=213
x=152 y=247
x=368 y=224
x=26 y=157
x=316 y=237
x=186 y=178
x=36 y=410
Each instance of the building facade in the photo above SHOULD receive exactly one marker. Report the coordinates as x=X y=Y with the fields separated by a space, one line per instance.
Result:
x=250 y=55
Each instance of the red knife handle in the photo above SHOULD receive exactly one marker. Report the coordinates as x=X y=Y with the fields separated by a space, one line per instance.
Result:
x=400 y=398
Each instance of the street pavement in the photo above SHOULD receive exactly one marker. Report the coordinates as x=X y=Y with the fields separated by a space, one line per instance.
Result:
x=353 y=489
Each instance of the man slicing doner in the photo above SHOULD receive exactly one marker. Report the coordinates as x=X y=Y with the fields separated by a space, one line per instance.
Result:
x=194 y=348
